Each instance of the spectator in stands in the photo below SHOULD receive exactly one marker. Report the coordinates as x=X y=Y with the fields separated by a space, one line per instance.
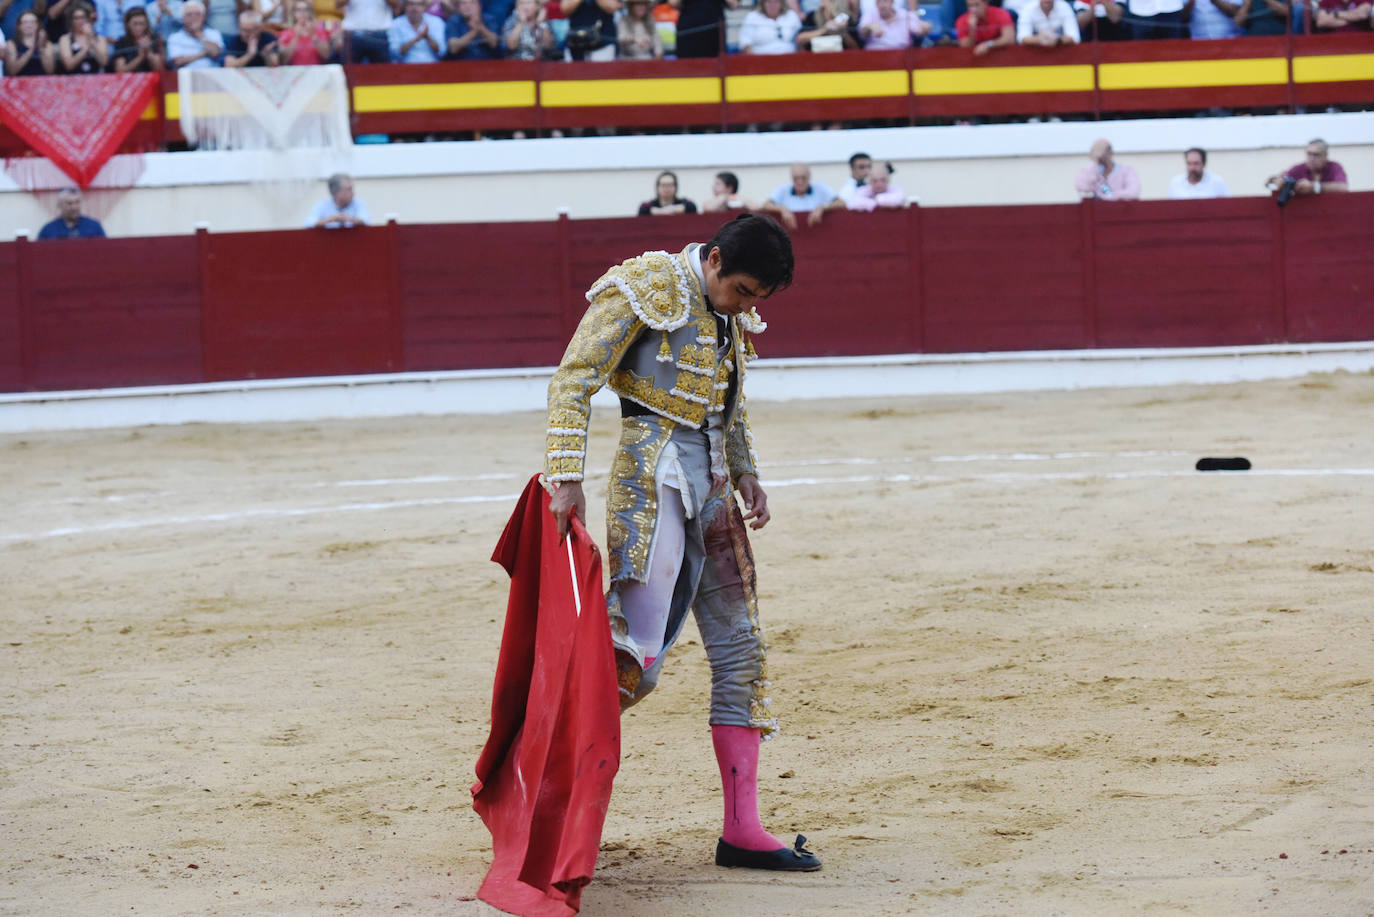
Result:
x=11 y=10
x=1195 y=180
x=802 y=195
x=81 y=50
x=308 y=41
x=55 y=19
x=253 y=46
x=834 y=24
x=528 y=35
x=223 y=17
x=701 y=26
x=1318 y=174
x=1154 y=19
x=879 y=192
x=891 y=29
x=469 y=35
x=365 y=25
x=860 y=166
x=1102 y=21
x=165 y=15
x=109 y=17
x=725 y=195
x=140 y=50
x=1106 y=179
x=1214 y=19
x=1262 y=17
x=416 y=37
x=70 y=224
x=591 y=28
x=1341 y=15
x=665 y=201
x=341 y=209
x=1047 y=23
x=770 y=29
x=275 y=13
x=28 y=52
x=637 y=33
x=985 y=28
x=196 y=46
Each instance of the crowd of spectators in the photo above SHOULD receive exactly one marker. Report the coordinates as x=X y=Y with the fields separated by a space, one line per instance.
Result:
x=870 y=186
x=81 y=36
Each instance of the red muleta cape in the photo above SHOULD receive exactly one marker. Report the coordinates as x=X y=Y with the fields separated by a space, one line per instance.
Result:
x=544 y=776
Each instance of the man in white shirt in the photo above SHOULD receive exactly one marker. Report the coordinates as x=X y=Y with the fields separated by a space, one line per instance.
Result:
x=1152 y=19
x=416 y=37
x=1048 y=23
x=341 y=209
x=1197 y=181
x=860 y=164
x=197 y=45
x=366 y=22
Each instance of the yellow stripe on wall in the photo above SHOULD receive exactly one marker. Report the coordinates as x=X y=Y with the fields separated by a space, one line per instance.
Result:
x=954 y=81
x=438 y=96
x=848 y=84
x=150 y=113
x=1334 y=68
x=172 y=102
x=685 y=90
x=1253 y=71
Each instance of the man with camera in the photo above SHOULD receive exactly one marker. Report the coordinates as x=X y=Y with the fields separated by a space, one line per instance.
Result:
x=1318 y=174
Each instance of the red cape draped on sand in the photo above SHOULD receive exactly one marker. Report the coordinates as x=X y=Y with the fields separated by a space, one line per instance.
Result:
x=76 y=121
x=544 y=777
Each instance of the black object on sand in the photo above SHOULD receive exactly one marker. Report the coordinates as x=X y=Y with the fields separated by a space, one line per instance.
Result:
x=1237 y=463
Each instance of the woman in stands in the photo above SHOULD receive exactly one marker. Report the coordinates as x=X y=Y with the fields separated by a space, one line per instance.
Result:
x=308 y=41
x=81 y=50
x=665 y=201
x=28 y=52
x=527 y=34
x=701 y=26
x=140 y=50
x=770 y=29
x=835 y=23
x=637 y=32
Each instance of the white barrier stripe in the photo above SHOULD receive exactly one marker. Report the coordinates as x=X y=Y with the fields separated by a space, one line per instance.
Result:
x=1023 y=477
x=129 y=524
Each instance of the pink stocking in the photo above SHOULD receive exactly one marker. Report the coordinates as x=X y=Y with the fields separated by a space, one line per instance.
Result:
x=737 y=753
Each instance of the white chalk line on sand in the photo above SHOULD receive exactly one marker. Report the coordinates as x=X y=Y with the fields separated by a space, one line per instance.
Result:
x=1000 y=477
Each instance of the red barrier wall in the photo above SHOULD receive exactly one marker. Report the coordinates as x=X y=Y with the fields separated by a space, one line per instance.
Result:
x=121 y=312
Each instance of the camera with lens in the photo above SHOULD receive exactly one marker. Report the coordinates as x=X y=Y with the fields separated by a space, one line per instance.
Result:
x=1286 y=192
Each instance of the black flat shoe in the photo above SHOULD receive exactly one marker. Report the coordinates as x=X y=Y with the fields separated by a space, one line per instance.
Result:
x=797 y=859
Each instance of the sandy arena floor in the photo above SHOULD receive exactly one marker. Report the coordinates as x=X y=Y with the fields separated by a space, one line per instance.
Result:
x=1028 y=662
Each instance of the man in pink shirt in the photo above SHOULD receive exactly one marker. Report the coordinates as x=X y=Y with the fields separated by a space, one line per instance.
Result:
x=890 y=29
x=1106 y=179
x=879 y=192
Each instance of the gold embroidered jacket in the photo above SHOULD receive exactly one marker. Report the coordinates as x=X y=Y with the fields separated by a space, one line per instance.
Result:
x=650 y=337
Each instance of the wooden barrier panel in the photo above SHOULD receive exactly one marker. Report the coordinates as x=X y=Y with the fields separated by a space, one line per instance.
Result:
x=121 y=312
x=12 y=291
x=1183 y=273
x=305 y=302
x=110 y=311
x=1004 y=278
x=489 y=298
x=1328 y=282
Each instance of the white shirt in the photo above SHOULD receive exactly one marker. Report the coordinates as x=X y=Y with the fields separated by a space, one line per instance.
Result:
x=1153 y=7
x=356 y=209
x=1210 y=186
x=762 y=35
x=368 y=16
x=1060 y=22
x=180 y=44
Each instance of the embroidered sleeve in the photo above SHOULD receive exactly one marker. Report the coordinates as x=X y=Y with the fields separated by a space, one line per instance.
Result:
x=606 y=331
